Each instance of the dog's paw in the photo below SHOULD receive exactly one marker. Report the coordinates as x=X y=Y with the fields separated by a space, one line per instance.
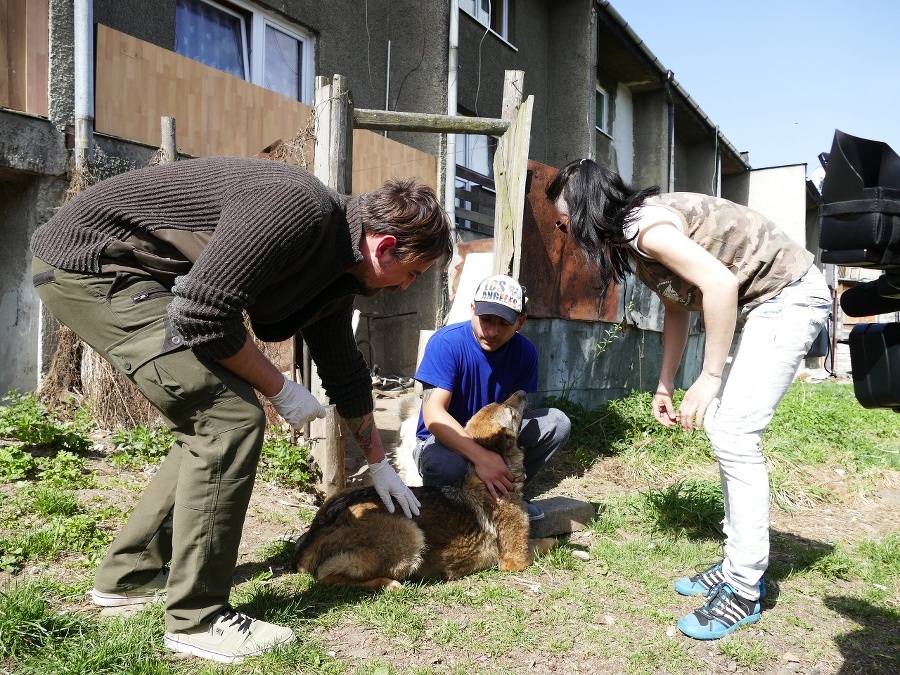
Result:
x=513 y=564
x=541 y=545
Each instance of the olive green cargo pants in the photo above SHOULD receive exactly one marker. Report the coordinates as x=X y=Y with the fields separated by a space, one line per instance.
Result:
x=192 y=513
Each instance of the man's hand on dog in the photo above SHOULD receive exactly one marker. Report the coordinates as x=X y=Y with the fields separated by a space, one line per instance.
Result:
x=493 y=471
x=389 y=486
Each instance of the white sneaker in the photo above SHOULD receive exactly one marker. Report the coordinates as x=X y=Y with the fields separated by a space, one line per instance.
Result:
x=153 y=590
x=229 y=638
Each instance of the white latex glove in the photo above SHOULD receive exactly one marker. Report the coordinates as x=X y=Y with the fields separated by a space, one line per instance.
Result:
x=388 y=485
x=296 y=405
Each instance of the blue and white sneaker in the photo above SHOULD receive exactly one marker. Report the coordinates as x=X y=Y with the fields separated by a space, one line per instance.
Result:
x=723 y=613
x=700 y=584
x=704 y=582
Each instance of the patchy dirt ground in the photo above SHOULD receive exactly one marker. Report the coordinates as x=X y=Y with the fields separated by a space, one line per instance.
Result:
x=845 y=637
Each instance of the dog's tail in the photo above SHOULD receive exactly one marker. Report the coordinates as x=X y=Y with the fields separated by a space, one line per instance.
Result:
x=403 y=455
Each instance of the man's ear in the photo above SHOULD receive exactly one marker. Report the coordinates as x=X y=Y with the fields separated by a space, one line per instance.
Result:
x=520 y=322
x=386 y=243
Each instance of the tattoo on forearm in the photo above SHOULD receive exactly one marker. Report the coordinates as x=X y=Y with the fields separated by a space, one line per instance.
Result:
x=361 y=428
x=427 y=394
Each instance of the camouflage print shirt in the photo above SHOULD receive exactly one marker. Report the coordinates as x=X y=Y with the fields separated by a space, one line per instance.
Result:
x=756 y=250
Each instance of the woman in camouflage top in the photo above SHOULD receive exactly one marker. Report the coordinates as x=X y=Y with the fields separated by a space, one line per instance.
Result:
x=702 y=253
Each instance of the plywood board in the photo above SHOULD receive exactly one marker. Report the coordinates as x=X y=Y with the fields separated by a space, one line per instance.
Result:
x=216 y=114
x=377 y=159
x=37 y=48
x=13 y=56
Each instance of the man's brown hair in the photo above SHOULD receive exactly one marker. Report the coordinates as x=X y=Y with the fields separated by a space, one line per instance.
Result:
x=411 y=212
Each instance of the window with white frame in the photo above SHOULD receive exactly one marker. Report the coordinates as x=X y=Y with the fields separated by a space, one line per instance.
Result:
x=476 y=152
x=601 y=110
x=493 y=14
x=475 y=192
x=244 y=42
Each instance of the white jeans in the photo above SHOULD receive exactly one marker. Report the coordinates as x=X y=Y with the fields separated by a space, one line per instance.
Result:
x=776 y=336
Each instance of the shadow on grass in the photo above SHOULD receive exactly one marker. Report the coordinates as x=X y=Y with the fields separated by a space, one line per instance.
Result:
x=596 y=434
x=689 y=508
x=874 y=648
x=306 y=599
x=694 y=510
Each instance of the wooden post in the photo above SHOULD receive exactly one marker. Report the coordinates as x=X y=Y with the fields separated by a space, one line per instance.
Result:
x=169 y=147
x=333 y=165
x=322 y=112
x=510 y=172
x=342 y=135
x=328 y=447
x=334 y=134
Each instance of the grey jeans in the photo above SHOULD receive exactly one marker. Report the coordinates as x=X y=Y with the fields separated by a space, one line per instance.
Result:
x=192 y=513
x=543 y=432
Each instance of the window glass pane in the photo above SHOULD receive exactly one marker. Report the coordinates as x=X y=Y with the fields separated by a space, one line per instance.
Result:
x=283 y=61
x=467 y=6
x=600 y=110
x=476 y=152
x=490 y=13
x=498 y=17
x=210 y=35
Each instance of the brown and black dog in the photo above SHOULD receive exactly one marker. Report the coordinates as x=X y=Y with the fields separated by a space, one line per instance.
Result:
x=461 y=529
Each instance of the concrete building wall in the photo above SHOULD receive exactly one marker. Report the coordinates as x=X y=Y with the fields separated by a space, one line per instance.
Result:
x=595 y=362
x=26 y=200
x=555 y=45
x=699 y=162
x=152 y=22
x=780 y=194
x=651 y=139
x=61 y=85
x=32 y=185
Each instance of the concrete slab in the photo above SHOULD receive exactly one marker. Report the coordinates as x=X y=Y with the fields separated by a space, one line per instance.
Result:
x=562 y=515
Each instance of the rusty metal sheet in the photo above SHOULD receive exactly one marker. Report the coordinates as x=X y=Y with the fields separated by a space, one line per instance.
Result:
x=554 y=271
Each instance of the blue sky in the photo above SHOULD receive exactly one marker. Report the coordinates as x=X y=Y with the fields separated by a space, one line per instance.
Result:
x=779 y=77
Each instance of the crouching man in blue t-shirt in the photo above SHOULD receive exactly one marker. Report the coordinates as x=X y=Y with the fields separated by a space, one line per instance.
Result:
x=468 y=365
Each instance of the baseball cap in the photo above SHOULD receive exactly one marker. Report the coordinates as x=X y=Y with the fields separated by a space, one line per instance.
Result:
x=501 y=296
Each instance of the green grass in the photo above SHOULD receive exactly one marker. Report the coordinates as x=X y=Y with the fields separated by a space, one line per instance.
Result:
x=616 y=610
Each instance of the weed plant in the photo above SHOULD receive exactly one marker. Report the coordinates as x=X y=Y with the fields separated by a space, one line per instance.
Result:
x=285 y=462
x=27 y=421
x=141 y=445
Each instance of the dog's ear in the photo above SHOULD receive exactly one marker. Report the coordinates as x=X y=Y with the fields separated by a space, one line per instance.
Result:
x=485 y=433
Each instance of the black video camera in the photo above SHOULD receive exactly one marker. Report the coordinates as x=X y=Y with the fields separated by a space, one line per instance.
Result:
x=859 y=226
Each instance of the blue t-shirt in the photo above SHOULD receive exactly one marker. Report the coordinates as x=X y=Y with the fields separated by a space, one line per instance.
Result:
x=454 y=361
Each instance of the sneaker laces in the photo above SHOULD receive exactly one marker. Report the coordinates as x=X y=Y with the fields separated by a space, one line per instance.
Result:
x=240 y=621
x=711 y=576
x=724 y=605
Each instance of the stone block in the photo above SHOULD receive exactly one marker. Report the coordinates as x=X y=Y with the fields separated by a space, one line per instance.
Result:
x=562 y=515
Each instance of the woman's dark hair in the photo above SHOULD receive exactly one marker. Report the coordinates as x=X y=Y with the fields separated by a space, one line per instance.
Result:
x=411 y=212
x=600 y=206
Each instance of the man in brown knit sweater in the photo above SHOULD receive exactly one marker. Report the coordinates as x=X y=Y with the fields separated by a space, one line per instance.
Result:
x=155 y=269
